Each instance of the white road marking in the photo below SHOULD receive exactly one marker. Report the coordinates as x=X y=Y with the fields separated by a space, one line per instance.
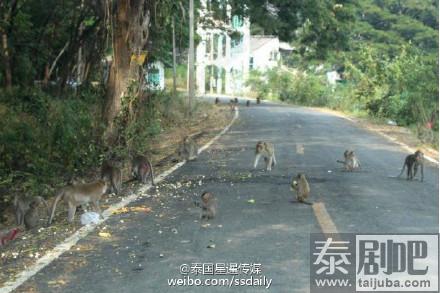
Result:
x=85 y=230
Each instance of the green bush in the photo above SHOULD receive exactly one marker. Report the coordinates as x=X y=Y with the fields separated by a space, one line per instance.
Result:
x=43 y=137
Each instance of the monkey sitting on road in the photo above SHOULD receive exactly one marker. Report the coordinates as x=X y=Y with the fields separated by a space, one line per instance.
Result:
x=80 y=194
x=208 y=204
x=350 y=162
x=258 y=100
x=267 y=150
x=188 y=149
x=302 y=188
x=217 y=101
x=26 y=209
x=112 y=174
x=141 y=168
x=412 y=163
x=248 y=103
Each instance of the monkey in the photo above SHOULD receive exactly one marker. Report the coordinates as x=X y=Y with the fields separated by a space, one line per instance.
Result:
x=236 y=101
x=350 y=162
x=22 y=204
x=267 y=150
x=302 y=188
x=80 y=194
x=141 y=168
x=113 y=174
x=31 y=217
x=258 y=100
x=217 y=101
x=412 y=163
x=208 y=204
x=232 y=105
x=248 y=103
x=188 y=149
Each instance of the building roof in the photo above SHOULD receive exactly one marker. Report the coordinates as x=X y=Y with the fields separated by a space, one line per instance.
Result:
x=258 y=41
x=286 y=46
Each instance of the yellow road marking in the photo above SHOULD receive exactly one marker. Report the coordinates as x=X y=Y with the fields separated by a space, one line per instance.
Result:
x=324 y=219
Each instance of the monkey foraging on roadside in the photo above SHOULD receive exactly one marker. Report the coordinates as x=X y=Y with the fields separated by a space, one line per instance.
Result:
x=258 y=100
x=232 y=105
x=208 y=204
x=302 y=188
x=188 y=149
x=80 y=194
x=350 y=162
x=236 y=101
x=248 y=103
x=22 y=204
x=113 y=175
x=31 y=217
x=217 y=101
x=412 y=163
x=267 y=150
x=141 y=168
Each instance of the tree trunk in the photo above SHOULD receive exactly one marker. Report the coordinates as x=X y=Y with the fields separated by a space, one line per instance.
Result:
x=174 y=59
x=191 y=57
x=7 y=61
x=130 y=20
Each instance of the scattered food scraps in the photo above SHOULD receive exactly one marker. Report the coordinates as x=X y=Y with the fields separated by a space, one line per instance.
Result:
x=104 y=234
x=132 y=209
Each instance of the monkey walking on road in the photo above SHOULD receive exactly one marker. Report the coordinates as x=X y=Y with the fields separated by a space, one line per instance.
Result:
x=266 y=150
x=412 y=163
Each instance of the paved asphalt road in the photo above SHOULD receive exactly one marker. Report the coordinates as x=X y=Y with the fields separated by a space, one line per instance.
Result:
x=144 y=250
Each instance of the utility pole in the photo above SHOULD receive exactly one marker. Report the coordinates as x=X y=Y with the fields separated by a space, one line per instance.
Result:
x=174 y=60
x=191 y=57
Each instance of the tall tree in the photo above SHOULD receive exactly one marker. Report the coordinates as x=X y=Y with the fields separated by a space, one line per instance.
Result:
x=130 y=31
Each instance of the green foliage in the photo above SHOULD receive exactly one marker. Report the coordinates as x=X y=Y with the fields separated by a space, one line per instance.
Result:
x=43 y=137
x=404 y=88
x=298 y=88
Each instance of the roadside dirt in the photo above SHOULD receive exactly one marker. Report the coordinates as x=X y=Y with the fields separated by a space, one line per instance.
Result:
x=18 y=254
x=397 y=133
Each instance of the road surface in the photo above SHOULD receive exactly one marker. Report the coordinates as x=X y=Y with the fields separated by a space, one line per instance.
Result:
x=257 y=221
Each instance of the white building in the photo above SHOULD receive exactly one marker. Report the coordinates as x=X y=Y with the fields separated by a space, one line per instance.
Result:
x=265 y=52
x=222 y=56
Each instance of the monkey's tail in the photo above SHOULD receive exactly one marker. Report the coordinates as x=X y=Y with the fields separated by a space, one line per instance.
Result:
x=306 y=202
x=339 y=161
x=401 y=172
x=59 y=196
